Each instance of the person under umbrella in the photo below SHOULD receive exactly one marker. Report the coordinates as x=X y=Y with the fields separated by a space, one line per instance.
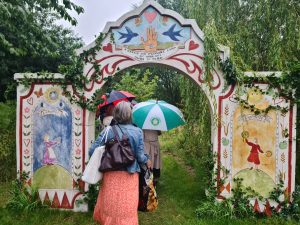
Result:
x=115 y=97
x=109 y=102
x=153 y=117
x=152 y=148
x=157 y=115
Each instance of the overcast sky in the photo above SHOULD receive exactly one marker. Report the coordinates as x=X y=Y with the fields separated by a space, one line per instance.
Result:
x=97 y=13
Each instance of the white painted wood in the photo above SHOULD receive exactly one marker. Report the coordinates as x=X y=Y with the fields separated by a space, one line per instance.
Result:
x=19 y=76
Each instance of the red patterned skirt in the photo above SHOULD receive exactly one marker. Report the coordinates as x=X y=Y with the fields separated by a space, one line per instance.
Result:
x=117 y=201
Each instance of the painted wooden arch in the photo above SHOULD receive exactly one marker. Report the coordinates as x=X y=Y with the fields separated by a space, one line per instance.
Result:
x=258 y=148
x=151 y=34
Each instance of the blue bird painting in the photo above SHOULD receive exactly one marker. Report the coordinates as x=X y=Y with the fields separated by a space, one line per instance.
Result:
x=173 y=34
x=129 y=35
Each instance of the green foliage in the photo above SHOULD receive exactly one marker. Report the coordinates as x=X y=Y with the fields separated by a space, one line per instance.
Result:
x=211 y=54
x=20 y=15
x=23 y=196
x=229 y=71
x=168 y=83
x=263 y=35
x=246 y=105
x=163 y=79
x=31 y=40
x=288 y=209
x=292 y=209
x=138 y=84
x=90 y=196
x=197 y=131
x=72 y=71
x=7 y=141
x=7 y=115
x=236 y=206
x=179 y=192
x=288 y=84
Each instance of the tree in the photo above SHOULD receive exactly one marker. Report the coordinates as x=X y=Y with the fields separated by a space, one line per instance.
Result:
x=24 y=15
x=262 y=35
x=167 y=85
x=30 y=40
x=138 y=84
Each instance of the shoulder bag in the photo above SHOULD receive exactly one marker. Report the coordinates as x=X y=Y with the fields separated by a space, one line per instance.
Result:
x=118 y=154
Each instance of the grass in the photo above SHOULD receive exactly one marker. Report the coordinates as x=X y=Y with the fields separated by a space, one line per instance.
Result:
x=4 y=194
x=180 y=190
x=179 y=194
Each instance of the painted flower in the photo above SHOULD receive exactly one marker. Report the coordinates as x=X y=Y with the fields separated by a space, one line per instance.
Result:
x=78 y=151
x=26 y=110
x=26 y=152
x=77 y=112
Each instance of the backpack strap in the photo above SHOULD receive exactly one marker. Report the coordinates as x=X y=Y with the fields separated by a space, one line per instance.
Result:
x=116 y=135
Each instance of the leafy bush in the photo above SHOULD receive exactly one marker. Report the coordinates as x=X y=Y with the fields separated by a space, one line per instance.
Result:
x=23 y=196
x=90 y=196
x=7 y=141
x=288 y=209
x=237 y=206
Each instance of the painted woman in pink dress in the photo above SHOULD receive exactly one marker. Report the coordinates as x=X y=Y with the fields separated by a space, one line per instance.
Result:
x=49 y=155
x=254 y=153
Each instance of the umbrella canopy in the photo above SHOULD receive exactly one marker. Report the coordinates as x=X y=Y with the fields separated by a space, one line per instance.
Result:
x=114 y=98
x=157 y=115
x=117 y=96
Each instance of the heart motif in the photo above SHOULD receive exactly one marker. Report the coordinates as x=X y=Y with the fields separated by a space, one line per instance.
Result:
x=77 y=142
x=108 y=48
x=193 y=45
x=30 y=101
x=26 y=142
x=150 y=16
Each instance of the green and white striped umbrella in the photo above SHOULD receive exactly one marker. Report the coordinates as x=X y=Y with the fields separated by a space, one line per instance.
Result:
x=157 y=115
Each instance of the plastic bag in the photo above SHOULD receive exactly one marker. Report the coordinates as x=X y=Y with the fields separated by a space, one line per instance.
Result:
x=147 y=194
x=91 y=174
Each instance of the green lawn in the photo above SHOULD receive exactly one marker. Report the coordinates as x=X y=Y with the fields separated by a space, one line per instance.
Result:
x=179 y=193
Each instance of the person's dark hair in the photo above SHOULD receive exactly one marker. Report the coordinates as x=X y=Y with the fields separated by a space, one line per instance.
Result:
x=122 y=113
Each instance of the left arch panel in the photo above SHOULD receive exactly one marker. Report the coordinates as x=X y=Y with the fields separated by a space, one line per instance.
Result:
x=50 y=142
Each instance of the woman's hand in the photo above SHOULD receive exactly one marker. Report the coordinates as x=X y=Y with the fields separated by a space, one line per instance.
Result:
x=149 y=164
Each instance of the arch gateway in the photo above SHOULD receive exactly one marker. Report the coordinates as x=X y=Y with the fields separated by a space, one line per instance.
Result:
x=53 y=134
